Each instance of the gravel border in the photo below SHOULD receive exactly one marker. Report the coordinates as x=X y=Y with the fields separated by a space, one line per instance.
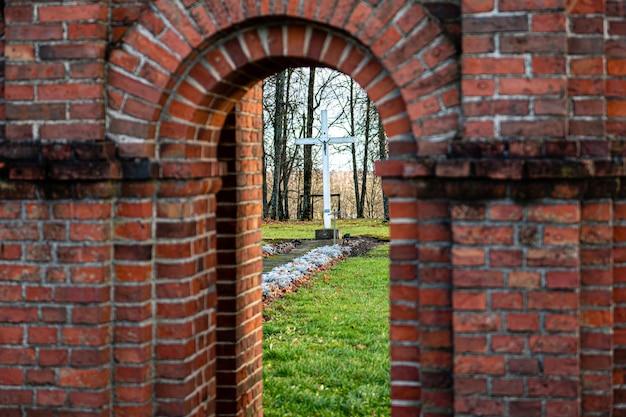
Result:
x=284 y=275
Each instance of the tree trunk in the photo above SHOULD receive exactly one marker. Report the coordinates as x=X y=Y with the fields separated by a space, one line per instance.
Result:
x=305 y=214
x=361 y=203
x=355 y=172
x=382 y=154
x=278 y=131
x=285 y=163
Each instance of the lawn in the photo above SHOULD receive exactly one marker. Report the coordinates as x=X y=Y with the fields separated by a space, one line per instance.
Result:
x=326 y=347
x=306 y=230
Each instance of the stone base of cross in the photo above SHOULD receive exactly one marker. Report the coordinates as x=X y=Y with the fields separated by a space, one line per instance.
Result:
x=324 y=140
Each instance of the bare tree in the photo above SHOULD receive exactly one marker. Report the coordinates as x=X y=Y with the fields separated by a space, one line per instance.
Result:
x=291 y=100
x=355 y=172
x=307 y=173
x=382 y=154
x=364 y=170
x=265 y=205
x=278 y=136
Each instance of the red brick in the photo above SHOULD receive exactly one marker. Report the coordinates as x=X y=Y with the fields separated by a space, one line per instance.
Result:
x=473 y=66
x=508 y=387
x=468 y=256
x=478 y=87
x=561 y=322
x=562 y=279
x=542 y=65
x=560 y=236
x=478 y=44
x=51 y=397
x=505 y=258
x=469 y=301
x=522 y=322
x=478 y=279
x=489 y=365
x=476 y=322
x=470 y=385
x=479 y=406
x=549 y=388
x=522 y=279
x=507 y=301
x=477 y=6
x=552 y=257
x=548 y=22
x=11 y=376
x=473 y=344
x=43 y=335
x=553 y=344
x=561 y=366
x=482 y=235
x=553 y=301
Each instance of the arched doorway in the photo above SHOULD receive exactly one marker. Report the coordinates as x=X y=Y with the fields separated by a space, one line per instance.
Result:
x=183 y=96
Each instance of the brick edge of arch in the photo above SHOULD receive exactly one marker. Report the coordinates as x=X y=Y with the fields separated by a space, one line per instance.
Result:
x=177 y=71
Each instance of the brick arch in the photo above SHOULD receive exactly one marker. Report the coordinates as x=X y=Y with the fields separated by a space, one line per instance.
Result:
x=179 y=84
x=397 y=52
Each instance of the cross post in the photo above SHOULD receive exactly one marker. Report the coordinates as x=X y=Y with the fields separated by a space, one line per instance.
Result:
x=324 y=140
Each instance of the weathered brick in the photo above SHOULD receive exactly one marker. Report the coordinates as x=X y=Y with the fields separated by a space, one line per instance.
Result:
x=520 y=118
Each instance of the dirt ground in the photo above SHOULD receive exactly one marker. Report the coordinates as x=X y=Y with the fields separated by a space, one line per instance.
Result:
x=360 y=245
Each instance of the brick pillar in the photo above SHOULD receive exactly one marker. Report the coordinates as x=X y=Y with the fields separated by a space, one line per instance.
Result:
x=185 y=297
x=55 y=55
x=404 y=297
x=435 y=305
x=239 y=211
x=134 y=254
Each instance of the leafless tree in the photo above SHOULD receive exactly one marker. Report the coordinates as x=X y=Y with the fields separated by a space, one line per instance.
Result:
x=291 y=100
x=382 y=154
x=305 y=213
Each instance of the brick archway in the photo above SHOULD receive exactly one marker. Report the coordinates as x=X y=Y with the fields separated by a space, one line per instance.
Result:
x=127 y=200
x=397 y=52
x=183 y=95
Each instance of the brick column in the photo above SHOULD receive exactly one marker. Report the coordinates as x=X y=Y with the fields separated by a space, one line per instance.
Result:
x=536 y=265
x=239 y=211
x=435 y=305
x=185 y=298
x=404 y=298
x=133 y=297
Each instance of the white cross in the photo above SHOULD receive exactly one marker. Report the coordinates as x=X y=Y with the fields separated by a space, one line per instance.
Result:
x=324 y=141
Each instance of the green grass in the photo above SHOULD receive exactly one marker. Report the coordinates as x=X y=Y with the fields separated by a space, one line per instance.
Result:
x=326 y=347
x=306 y=230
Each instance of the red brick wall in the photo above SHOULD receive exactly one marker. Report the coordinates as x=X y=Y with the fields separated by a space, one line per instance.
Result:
x=130 y=200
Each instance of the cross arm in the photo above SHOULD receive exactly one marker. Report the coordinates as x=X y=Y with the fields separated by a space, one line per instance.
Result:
x=308 y=141
x=341 y=140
